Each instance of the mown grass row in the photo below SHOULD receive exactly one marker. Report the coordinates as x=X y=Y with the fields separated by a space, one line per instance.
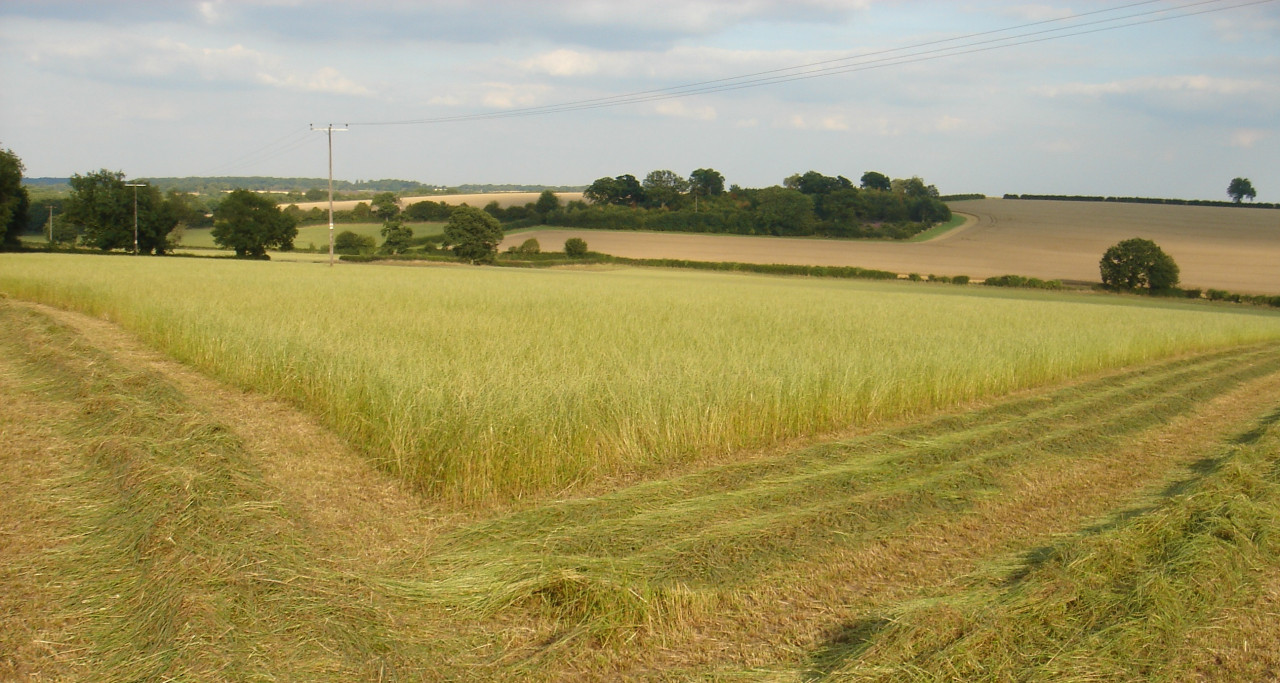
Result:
x=483 y=385
x=178 y=563
x=660 y=551
x=1126 y=602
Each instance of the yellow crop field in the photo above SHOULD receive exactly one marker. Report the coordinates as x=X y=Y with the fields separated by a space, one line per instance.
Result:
x=479 y=384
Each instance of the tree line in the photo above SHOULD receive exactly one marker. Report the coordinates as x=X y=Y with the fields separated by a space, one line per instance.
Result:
x=805 y=204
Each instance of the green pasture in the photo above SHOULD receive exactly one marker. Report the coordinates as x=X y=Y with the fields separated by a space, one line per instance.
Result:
x=312 y=236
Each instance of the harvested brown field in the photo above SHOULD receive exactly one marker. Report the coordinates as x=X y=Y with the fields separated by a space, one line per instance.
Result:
x=504 y=199
x=1227 y=248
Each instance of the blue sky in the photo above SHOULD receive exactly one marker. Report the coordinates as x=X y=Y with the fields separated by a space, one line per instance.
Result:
x=1169 y=108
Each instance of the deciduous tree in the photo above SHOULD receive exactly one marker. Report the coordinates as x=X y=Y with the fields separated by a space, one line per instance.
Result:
x=250 y=224
x=664 y=188
x=873 y=180
x=14 y=201
x=103 y=208
x=1137 y=263
x=547 y=202
x=473 y=234
x=396 y=236
x=1239 y=189
x=385 y=206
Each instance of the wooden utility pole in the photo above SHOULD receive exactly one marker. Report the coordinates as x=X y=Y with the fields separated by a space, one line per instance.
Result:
x=329 y=129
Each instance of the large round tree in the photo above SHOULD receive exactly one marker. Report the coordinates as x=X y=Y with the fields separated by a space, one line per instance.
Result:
x=1137 y=263
x=250 y=223
x=473 y=234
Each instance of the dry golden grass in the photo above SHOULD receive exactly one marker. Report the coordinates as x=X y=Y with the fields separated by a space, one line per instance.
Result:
x=851 y=531
x=1216 y=247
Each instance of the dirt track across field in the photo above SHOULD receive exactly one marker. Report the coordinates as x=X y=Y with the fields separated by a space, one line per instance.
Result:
x=1236 y=249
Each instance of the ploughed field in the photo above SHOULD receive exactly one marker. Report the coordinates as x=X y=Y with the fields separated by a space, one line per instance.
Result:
x=1235 y=249
x=468 y=473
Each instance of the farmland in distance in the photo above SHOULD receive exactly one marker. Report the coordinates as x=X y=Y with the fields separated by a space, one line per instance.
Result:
x=1229 y=248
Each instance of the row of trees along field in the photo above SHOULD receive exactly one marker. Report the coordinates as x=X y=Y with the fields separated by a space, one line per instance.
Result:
x=805 y=204
x=104 y=212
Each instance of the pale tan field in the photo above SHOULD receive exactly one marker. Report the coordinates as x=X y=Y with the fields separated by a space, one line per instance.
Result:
x=504 y=199
x=1216 y=247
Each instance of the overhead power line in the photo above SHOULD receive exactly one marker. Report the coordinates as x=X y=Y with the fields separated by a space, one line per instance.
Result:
x=959 y=45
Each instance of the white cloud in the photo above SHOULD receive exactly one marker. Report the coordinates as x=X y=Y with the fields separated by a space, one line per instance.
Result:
x=210 y=12
x=562 y=62
x=508 y=96
x=826 y=122
x=1246 y=138
x=164 y=62
x=1199 y=84
x=323 y=80
x=684 y=110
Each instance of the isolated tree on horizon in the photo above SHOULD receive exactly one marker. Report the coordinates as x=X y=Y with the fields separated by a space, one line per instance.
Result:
x=1137 y=263
x=250 y=224
x=15 y=203
x=1239 y=189
x=473 y=234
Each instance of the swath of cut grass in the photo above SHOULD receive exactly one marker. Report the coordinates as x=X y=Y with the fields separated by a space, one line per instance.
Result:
x=655 y=556
x=481 y=385
x=178 y=564
x=1114 y=605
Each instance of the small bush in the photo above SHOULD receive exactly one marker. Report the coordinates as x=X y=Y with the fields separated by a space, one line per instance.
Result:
x=915 y=277
x=575 y=247
x=529 y=246
x=960 y=280
x=939 y=278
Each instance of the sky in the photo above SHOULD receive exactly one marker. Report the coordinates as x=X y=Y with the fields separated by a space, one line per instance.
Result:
x=1158 y=98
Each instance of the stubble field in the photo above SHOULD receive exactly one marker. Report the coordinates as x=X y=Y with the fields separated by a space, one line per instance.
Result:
x=1216 y=247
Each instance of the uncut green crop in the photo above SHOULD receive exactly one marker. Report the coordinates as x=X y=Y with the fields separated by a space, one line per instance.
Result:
x=479 y=384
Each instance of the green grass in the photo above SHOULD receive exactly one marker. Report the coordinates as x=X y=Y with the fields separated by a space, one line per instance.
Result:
x=313 y=236
x=480 y=385
x=940 y=229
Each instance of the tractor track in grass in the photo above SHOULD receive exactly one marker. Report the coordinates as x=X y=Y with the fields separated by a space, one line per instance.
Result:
x=735 y=569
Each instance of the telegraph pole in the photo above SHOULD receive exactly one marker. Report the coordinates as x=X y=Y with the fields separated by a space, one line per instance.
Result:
x=135 y=187
x=330 y=130
x=51 y=224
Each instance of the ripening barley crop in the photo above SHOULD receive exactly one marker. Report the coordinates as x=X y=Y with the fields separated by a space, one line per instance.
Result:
x=482 y=384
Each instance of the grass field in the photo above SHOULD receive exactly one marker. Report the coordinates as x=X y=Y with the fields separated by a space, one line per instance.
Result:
x=482 y=385
x=312 y=236
x=158 y=525
x=1216 y=247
